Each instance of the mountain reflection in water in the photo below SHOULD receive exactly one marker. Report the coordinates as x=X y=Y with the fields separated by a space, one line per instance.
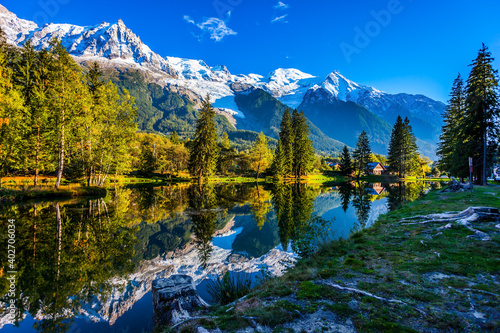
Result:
x=89 y=263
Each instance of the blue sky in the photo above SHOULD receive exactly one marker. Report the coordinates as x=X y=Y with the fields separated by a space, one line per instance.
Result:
x=413 y=46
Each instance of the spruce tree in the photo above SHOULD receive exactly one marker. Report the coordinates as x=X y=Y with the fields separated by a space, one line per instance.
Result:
x=481 y=126
x=395 y=147
x=345 y=162
x=28 y=78
x=278 y=167
x=402 y=153
x=451 y=148
x=204 y=150
x=361 y=154
x=409 y=155
x=175 y=138
x=303 y=153
x=283 y=156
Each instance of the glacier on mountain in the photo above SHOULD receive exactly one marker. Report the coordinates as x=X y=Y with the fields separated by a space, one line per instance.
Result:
x=115 y=45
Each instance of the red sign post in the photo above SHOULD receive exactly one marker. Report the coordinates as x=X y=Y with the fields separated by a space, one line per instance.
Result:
x=471 y=166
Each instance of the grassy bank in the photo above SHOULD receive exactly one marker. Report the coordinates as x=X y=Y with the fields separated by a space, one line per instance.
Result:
x=11 y=194
x=404 y=277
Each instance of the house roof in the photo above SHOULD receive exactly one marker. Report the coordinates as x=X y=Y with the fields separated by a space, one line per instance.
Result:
x=373 y=165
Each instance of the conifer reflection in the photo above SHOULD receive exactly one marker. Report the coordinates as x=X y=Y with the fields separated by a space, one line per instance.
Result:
x=345 y=191
x=293 y=205
x=203 y=213
x=362 y=204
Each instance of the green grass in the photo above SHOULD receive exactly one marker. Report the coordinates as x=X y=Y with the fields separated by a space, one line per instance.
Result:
x=396 y=260
x=65 y=191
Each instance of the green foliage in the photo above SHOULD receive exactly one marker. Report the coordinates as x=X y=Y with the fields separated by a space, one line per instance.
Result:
x=471 y=126
x=12 y=118
x=402 y=154
x=204 y=151
x=362 y=153
x=303 y=153
x=345 y=162
x=260 y=155
x=227 y=289
x=294 y=153
x=481 y=122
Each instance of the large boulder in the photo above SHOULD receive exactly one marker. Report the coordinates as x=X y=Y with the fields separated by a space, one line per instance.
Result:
x=174 y=299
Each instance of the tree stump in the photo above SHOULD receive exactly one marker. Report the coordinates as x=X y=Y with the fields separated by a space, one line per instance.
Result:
x=174 y=299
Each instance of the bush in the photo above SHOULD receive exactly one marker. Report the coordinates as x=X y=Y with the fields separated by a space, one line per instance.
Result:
x=227 y=289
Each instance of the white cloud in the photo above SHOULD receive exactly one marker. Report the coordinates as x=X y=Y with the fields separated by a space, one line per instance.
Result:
x=280 y=19
x=216 y=28
x=281 y=5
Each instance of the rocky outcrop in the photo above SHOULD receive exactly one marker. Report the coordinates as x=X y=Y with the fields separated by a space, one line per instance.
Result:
x=174 y=299
x=456 y=186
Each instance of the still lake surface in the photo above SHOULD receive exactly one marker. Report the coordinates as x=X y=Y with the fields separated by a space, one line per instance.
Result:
x=86 y=265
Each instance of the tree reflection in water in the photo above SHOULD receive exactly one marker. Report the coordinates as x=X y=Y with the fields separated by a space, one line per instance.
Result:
x=402 y=192
x=70 y=251
x=203 y=213
x=293 y=205
x=362 y=204
x=345 y=191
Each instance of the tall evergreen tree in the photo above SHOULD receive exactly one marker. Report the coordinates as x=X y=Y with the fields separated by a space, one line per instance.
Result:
x=481 y=124
x=409 y=157
x=402 y=154
x=396 y=147
x=451 y=150
x=175 y=138
x=345 y=162
x=204 y=149
x=283 y=156
x=278 y=165
x=361 y=154
x=32 y=93
x=303 y=152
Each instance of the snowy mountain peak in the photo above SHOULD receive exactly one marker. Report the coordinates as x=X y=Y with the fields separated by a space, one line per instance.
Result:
x=15 y=29
x=111 y=41
x=287 y=75
x=288 y=85
x=345 y=89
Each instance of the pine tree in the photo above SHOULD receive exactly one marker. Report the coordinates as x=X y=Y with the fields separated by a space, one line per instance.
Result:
x=35 y=120
x=362 y=153
x=225 y=141
x=345 y=162
x=175 y=138
x=303 y=152
x=451 y=150
x=204 y=149
x=283 y=156
x=395 y=152
x=481 y=126
x=278 y=167
x=402 y=154
x=409 y=156
x=260 y=155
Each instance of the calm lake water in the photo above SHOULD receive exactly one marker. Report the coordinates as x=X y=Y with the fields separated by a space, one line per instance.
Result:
x=86 y=265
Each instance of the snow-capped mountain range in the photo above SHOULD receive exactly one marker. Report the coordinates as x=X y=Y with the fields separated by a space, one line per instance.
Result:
x=114 y=45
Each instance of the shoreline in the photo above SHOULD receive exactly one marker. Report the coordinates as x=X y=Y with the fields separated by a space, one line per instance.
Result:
x=396 y=276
